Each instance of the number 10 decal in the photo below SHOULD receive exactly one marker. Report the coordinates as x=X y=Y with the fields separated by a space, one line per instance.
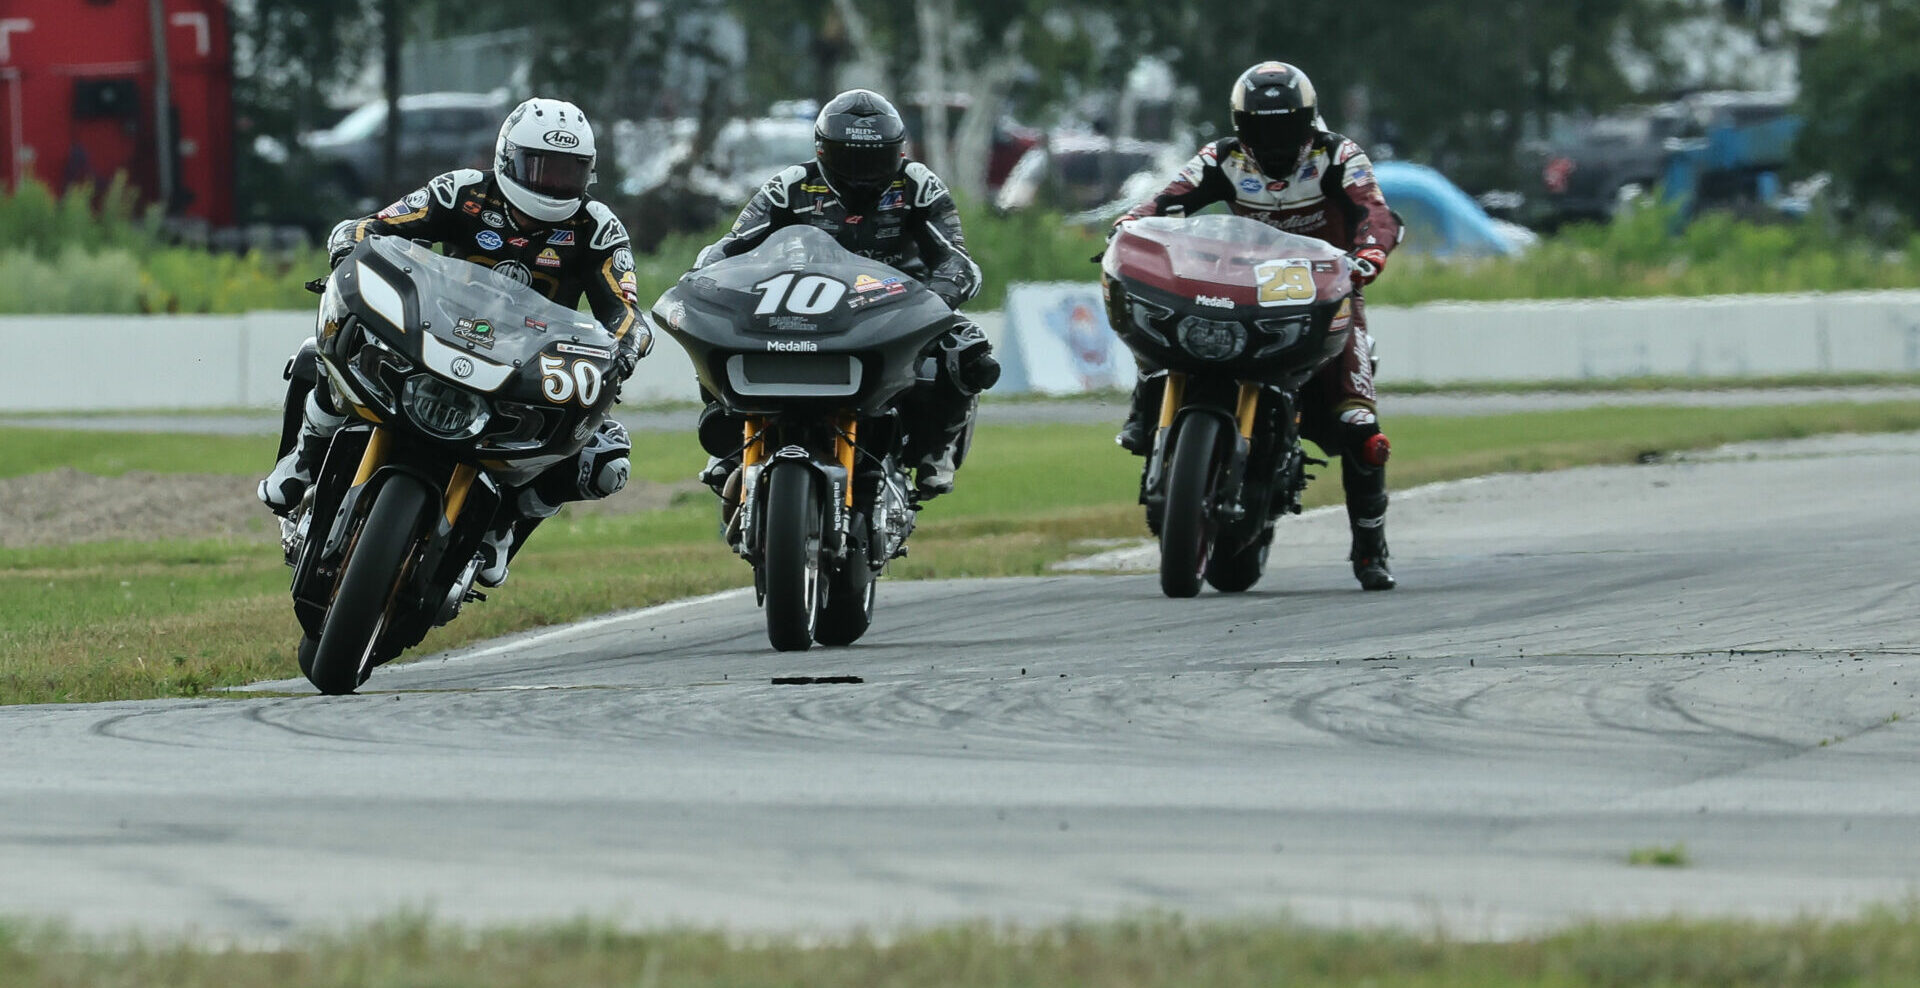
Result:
x=811 y=295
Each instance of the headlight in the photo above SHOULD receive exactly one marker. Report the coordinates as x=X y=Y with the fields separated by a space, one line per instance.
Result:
x=1282 y=333
x=442 y=409
x=1212 y=339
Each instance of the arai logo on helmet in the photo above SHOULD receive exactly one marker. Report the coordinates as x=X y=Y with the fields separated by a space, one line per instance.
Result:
x=560 y=139
x=1216 y=301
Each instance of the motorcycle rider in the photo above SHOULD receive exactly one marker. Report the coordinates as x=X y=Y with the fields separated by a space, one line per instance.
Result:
x=1283 y=168
x=530 y=219
x=862 y=189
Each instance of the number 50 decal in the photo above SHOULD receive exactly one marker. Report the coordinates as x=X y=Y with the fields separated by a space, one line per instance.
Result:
x=562 y=384
x=1285 y=281
x=812 y=295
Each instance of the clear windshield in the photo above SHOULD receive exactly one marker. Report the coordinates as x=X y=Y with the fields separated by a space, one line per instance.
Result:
x=1224 y=249
x=452 y=290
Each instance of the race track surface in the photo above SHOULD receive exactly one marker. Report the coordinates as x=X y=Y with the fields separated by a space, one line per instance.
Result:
x=1722 y=653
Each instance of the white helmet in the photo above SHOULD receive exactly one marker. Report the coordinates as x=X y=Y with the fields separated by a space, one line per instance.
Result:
x=544 y=158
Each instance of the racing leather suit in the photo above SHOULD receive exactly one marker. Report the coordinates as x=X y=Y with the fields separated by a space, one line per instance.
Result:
x=915 y=228
x=586 y=254
x=1330 y=194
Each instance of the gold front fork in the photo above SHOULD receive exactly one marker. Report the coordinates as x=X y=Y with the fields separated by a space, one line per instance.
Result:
x=1249 y=404
x=457 y=487
x=843 y=446
x=754 y=452
x=375 y=457
x=1170 y=400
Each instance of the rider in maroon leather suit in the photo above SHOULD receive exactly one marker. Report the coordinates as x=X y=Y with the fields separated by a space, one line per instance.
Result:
x=1283 y=168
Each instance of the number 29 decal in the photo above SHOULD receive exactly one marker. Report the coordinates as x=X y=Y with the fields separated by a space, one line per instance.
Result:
x=1285 y=281
x=561 y=383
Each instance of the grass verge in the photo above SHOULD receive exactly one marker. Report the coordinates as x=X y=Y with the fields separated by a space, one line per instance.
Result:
x=1880 y=948
x=139 y=620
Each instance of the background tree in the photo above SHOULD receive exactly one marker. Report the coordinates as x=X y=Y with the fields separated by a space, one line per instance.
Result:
x=1860 y=85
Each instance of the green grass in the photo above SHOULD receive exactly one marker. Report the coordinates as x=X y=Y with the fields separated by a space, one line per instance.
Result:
x=1660 y=857
x=132 y=620
x=1881 y=948
x=64 y=256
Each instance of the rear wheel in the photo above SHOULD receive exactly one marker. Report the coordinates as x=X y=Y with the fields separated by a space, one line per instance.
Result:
x=361 y=603
x=1187 y=530
x=849 y=608
x=792 y=563
x=1240 y=570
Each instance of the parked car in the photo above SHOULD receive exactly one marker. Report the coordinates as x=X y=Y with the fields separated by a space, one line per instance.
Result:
x=438 y=131
x=1441 y=220
x=1708 y=148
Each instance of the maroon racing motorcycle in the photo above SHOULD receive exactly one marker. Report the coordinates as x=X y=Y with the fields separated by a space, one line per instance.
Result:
x=1237 y=316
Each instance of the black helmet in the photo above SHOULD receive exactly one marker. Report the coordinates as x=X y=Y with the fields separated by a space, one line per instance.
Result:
x=858 y=139
x=1274 y=107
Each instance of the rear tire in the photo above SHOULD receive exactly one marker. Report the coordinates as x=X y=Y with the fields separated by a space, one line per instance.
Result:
x=1240 y=570
x=849 y=608
x=792 y=565
x=1187 y=531
x=359 y=611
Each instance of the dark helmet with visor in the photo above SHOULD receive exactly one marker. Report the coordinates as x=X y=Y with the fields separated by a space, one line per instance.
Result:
x=1274 y=109
x=859 y=140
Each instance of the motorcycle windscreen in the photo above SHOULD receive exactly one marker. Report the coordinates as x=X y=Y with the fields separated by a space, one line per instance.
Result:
x=1233 y=257
x=486 y=313
x=802 y=255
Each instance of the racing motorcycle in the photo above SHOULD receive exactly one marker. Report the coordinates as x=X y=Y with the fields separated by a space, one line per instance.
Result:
x=809 y=348
x=1240 y=315
x=458 y=383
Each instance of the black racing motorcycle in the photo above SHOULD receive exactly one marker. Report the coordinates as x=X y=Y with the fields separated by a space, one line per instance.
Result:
x=458 y=383
x=1240 y=316
x=809 y=349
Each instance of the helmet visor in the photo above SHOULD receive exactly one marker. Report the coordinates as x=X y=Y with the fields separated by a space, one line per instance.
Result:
x=862 y=166
x=549 y=173
x=1274 y=139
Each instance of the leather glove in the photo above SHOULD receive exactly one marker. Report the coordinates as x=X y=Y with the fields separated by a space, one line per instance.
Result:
x=1368 y=262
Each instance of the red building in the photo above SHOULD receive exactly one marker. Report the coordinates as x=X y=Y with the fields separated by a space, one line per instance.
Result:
x=77 y=98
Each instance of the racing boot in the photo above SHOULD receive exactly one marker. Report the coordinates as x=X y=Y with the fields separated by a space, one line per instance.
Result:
x=1136 y=436
x=1369 y=554
x=938 y=459
x=287 y=484
x=518 y=518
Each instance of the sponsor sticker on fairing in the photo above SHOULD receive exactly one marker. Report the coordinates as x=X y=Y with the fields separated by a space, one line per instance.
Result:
x=475 y=331
x=582 y=350
x=792 y=346
x=1216 y=301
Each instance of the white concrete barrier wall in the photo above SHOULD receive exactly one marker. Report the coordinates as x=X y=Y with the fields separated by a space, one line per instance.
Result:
x=107 y=363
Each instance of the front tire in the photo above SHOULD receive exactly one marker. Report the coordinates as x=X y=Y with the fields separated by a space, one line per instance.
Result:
x=1186 y=532
x=792 y=564
x=360 y=605
x=1238 y=571
x=849 y=609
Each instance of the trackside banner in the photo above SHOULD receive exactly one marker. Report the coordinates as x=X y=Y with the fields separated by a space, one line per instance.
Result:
x=1056 y=342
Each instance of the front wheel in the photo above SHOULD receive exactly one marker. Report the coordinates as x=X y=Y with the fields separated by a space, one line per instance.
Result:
x=361 y=602
x=1187 y=530
x=794 y=520
x=849 y=608
x=1237 y=571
